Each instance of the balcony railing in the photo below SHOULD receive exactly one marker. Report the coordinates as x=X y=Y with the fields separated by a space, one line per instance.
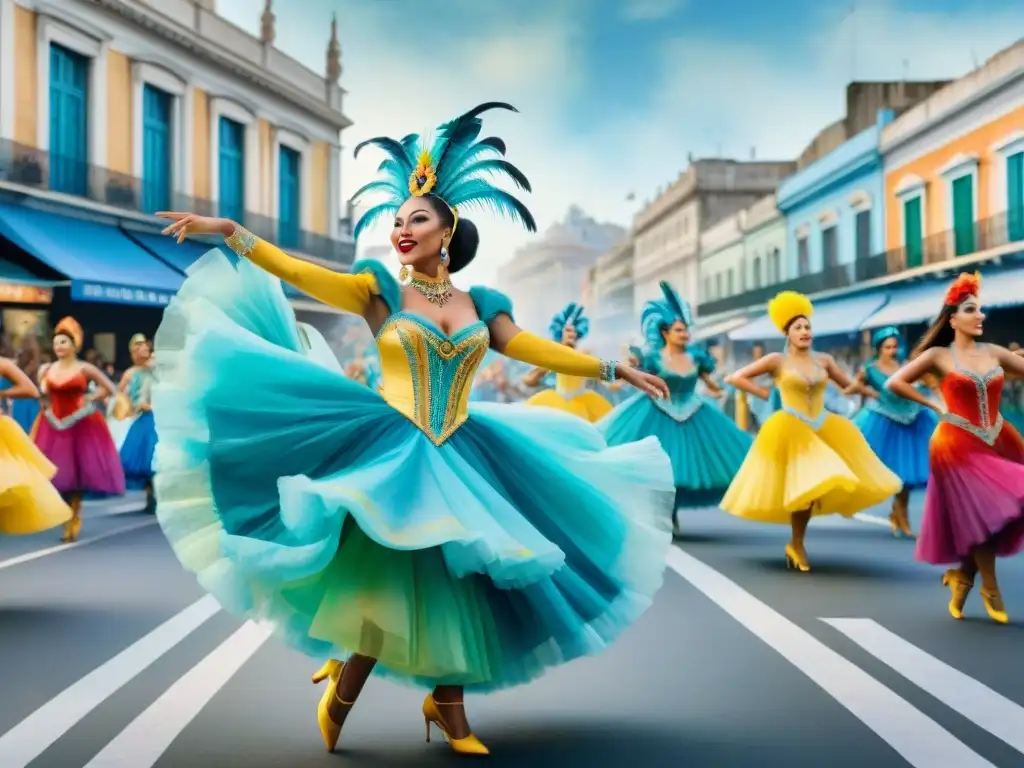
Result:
x=948 y=246
x=38 y=169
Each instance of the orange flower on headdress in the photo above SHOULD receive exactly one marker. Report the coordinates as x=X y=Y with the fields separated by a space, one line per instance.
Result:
x=424 y=178
x=70 y=328
x=965 y=285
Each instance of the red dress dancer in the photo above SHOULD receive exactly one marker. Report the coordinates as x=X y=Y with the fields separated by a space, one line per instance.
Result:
x=974 y=508
x=72 y=430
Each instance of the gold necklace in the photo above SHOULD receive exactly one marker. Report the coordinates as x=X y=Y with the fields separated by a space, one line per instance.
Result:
x=437 y=290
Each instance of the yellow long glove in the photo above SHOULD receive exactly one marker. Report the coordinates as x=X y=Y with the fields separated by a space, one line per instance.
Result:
x=347 y=292
x=552 y=356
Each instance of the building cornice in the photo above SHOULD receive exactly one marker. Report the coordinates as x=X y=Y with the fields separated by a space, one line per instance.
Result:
x=237 y=66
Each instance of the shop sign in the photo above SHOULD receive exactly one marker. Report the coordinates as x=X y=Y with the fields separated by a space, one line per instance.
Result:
x=121 y=294
x=17 y=293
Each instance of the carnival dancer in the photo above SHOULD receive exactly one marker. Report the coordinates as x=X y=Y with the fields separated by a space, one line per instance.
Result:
x=805 y=460
x=974 y=505
x=25 y=410
x=72 y=431
x=706 y=447
x=139 y=446
x=28 y=501
x=345 y=517
x=898 y=430
x=572 y=394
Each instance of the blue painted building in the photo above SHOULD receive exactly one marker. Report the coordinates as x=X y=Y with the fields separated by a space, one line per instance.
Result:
x=834 y=208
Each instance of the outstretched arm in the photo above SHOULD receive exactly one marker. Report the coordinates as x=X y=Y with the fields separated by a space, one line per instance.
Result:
x=511 y=340
x=23 y=387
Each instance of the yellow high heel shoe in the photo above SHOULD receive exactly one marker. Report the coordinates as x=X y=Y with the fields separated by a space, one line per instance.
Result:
x=796 y=560
x=330 y=730
x=959 y=587
x=994 y=606
x=468 y=745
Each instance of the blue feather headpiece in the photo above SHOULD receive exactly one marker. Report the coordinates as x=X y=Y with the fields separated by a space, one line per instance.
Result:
x=889 y=332
x=451 y=168
x=572 y=315
x=663 y=312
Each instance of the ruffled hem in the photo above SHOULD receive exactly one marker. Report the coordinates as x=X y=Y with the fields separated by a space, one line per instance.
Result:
x=791 y=468
x=28 y=501
x=706 y=450
x=304 y=500
x=903 y=448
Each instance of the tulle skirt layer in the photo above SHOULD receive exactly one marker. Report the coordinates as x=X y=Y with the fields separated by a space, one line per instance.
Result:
x=975 y=495
x=589 y=406
x=28 y=501
x=86 y=458
x=302 y=499
x=790 y=468
x=707 y=449
x=138 y=449
x=903 y=448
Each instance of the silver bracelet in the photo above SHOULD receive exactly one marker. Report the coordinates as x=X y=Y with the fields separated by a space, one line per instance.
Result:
x=606 y=371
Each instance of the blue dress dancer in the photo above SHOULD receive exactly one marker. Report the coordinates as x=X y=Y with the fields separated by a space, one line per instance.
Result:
x=897 y=430
x=139 y=445
x=446 y=544
x=705 y=446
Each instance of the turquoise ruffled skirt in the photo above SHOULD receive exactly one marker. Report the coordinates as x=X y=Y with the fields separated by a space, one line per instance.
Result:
x=706 y=450
x=903 y=448
x=302 y=499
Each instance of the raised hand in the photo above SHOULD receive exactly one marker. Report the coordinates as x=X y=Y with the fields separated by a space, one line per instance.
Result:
x=185 y=224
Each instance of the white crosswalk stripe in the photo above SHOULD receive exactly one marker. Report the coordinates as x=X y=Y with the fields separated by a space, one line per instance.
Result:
x=990 y=710
x=917 y=738
x=37 y=732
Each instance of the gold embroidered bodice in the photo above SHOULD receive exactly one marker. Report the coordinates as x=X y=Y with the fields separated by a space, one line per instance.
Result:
x=426 y=374
x=800 y=395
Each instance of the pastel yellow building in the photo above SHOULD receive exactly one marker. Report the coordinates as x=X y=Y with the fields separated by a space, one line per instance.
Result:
x=954 y=167
x=118 y=111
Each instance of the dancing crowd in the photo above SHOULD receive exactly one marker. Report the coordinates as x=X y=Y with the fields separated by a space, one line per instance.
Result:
x=475 y=504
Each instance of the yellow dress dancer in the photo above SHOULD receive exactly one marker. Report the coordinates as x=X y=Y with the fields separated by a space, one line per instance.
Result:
x=28 y=501
x=570 y=393
x=805 y=461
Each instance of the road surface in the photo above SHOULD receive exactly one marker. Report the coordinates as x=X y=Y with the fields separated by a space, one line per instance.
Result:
x=113 y=658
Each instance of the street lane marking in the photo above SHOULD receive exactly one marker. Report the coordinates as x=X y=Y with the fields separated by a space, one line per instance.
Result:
x=987 y=709
x=30 y=556
x=921 y=741
x=867 y=517
x=36 y=733
x=145 y=740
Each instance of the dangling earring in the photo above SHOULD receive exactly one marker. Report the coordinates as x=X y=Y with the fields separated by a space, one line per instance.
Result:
x=443 y=270
x=404 y=274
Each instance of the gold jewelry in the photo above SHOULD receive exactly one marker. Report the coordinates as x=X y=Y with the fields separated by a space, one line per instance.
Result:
x=403 y=275
x=437 y=290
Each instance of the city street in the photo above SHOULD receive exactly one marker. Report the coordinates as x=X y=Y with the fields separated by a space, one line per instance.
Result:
x=113 y=657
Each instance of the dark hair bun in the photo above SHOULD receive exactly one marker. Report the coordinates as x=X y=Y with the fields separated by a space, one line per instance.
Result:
x=462 y=248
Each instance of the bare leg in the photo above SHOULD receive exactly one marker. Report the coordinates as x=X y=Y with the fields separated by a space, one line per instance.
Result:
x=450 y=704
x=73 y=526
x=354 y=675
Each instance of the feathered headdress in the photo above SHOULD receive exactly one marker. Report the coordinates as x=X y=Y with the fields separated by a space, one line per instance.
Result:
x=786 y=306
x=659 y=313
x=965 y=285
x=452 y=168
x=572 y=315
x=69 y=327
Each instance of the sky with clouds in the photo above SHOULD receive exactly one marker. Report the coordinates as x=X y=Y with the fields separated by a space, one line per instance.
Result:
x=615 y=94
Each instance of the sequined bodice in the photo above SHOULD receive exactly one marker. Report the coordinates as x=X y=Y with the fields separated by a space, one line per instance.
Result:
x=139 y=386
x=887 y=404
x=683 y=400
x=426 y=375
x=66 y=395
x=801 y=396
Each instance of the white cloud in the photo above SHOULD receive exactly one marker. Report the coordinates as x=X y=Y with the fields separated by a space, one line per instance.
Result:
x=650 y=10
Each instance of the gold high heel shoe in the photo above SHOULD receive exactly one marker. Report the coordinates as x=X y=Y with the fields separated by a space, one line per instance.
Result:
x=796 y=560
x=71 y=530
x=960 y=587
x=330 y=730
x=994 y=606
x=468 y=745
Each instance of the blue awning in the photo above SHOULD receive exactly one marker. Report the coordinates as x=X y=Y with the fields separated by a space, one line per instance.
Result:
x=1002 y=289
x=831 y=317
x=102 y=263
x=181 y=256
x=918 y=303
